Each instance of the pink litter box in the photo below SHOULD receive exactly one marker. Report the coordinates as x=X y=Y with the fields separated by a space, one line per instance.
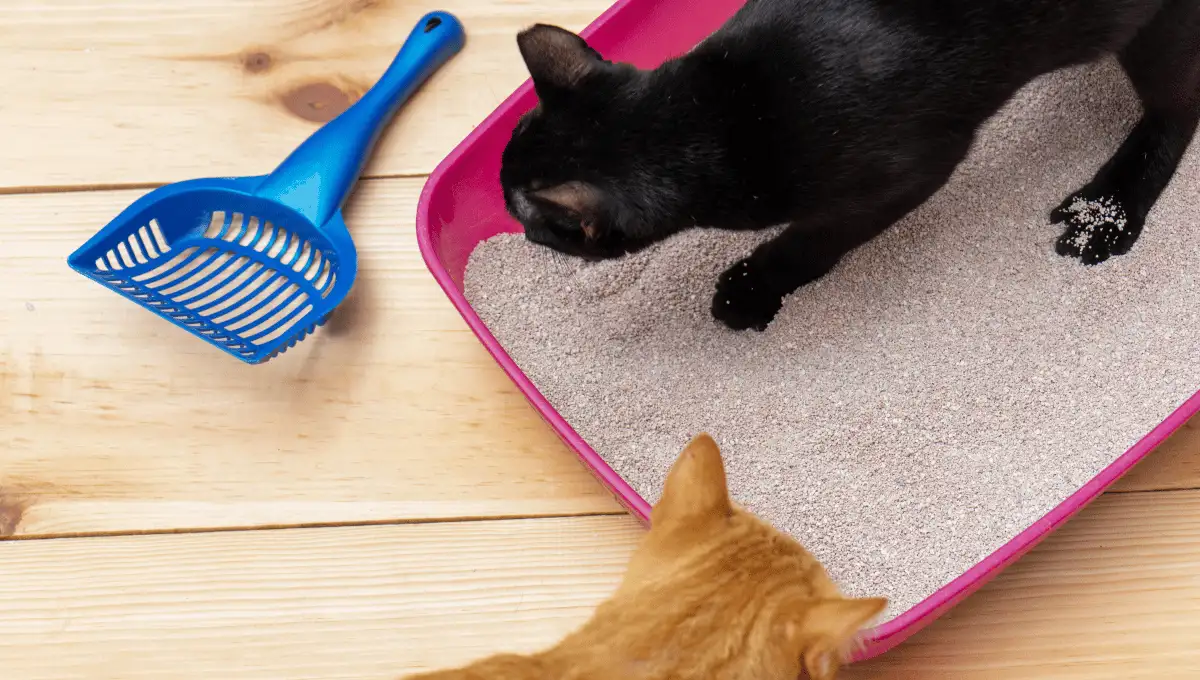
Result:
x=461 y=206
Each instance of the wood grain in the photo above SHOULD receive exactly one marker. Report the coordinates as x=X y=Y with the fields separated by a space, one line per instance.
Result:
x=114 y=420
x=145 y=92
x=1174 y=464
x=1113 y=595
x=351 y=602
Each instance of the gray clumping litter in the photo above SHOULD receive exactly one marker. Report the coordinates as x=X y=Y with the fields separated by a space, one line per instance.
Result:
x=1093 y=214
x=943 y=388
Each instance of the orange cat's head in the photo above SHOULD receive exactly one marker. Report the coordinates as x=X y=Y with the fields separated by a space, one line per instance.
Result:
x=730 y=592
x=713 y=593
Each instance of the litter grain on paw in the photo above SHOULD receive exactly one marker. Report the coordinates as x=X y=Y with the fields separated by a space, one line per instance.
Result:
x=942 y=389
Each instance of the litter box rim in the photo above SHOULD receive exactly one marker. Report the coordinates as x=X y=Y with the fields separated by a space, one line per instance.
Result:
x=877 y=640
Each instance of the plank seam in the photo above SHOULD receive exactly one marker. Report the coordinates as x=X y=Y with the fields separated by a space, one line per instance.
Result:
x=304 y=525
x=130 y=186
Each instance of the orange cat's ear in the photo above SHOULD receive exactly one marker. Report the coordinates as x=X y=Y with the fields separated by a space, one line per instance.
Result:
x=829 y=626
x=695 y=489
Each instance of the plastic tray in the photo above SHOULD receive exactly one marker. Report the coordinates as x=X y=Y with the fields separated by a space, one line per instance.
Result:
x=462 y=205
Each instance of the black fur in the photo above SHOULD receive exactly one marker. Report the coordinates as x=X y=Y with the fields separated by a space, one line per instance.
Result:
x=835 y=116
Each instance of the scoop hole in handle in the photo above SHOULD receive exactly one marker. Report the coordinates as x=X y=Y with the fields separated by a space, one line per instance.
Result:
x=433 y=23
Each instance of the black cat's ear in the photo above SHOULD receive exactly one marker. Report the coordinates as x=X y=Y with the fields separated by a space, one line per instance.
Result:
x=580 y=198
x=557 y=59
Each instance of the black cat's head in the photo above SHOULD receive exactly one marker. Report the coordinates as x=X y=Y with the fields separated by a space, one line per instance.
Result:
x=580 y=172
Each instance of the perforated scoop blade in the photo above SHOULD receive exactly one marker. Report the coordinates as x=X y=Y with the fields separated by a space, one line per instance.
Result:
x=252 y=278
x=253 y=265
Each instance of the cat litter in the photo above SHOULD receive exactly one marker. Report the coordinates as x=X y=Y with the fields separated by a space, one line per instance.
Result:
x=919 y=418
x=1094 y=214
x=904 y=417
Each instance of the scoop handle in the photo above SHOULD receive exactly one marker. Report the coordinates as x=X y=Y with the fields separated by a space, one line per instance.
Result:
x=316 y=178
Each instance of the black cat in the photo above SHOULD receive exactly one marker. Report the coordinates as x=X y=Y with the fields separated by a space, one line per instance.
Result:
x=835 y=116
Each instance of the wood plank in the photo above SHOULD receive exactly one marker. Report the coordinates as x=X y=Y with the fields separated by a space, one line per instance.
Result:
x=1175 y=464
x=144 y=91
x=351 y=602
x=1113 y=595
x=114 y=420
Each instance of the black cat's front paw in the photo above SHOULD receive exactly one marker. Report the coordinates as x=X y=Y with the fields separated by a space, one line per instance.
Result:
x=744 y=299
x=1096 y=228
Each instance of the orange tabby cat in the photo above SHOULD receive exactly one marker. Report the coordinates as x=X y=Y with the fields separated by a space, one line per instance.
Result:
x=713 y=593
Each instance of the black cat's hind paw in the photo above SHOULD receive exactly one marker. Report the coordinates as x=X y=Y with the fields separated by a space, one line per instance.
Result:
x=1096 y=228
x=743 y=300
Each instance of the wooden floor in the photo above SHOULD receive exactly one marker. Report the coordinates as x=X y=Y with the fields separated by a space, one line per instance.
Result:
x=379 y=500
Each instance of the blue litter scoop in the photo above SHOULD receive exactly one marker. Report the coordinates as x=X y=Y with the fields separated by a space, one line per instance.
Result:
x=255 y=264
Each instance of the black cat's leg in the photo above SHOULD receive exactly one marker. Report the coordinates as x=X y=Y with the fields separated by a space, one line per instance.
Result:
x=1106 y=217
x=750 y=293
